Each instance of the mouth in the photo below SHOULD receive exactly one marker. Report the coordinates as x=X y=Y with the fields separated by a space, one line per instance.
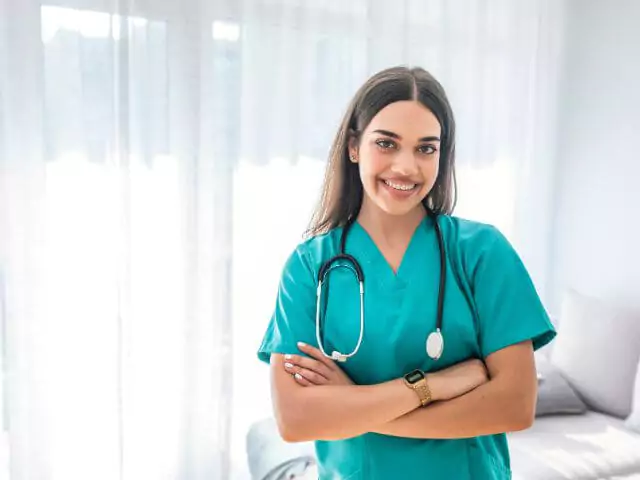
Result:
x=399 y=190
x=400 y=186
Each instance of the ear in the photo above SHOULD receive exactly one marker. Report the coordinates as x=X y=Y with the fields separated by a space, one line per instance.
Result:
x=353 y=149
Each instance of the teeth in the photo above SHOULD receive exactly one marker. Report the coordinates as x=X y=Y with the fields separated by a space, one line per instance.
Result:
x=400 y=186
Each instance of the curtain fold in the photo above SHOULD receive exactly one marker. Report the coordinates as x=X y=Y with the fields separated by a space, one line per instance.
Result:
x=158 y=162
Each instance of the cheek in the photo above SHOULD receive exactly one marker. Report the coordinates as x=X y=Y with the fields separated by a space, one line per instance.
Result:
x=430 y=169
x=373 y=162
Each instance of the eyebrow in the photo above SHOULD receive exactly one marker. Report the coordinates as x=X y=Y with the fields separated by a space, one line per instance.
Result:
x=395 y=135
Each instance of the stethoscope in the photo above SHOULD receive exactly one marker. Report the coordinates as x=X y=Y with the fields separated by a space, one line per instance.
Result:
x=435 y=341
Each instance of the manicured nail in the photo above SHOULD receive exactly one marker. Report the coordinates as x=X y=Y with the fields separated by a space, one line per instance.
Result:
x=287 y=356
x=302 y=344
x=288 y=365
x=298 y=376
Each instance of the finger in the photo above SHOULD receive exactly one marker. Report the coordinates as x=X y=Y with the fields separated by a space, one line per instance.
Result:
x=317 y=354
x=301 y=380
x=309 y=373
x=307 y=363
x=312 y=376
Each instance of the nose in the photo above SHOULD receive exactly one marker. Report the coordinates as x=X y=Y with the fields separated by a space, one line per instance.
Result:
x=405 y=164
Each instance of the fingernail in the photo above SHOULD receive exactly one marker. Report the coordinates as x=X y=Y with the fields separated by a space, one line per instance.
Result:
x=302 y=344
x=298 y=376
x=287 y=356
x=288 y=365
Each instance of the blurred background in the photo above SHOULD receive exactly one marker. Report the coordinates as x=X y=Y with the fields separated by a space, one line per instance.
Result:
x=159 y=160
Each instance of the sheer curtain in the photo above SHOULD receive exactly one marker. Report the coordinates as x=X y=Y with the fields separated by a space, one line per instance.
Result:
x=158 y=161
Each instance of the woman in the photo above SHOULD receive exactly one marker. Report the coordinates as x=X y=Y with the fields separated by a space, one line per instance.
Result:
x=408 y=396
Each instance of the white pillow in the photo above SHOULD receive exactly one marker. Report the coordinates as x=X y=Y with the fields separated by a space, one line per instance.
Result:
x=597 y=351
x=633 y=422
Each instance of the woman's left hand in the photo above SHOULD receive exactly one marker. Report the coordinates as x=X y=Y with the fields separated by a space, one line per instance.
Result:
x=315 y=369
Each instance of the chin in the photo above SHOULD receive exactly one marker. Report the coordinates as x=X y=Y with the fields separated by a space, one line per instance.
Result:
x=398 y=208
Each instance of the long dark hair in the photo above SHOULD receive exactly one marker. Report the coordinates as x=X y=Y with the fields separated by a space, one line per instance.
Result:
x=342 y=192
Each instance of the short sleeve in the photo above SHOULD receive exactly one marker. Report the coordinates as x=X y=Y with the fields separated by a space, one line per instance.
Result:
x=508 y=306
x=293 y=318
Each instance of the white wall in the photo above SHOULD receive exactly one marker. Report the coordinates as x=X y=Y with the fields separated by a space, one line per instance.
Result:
x=596 y=246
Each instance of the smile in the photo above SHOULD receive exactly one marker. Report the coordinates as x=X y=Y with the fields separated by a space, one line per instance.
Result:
x=400 y=186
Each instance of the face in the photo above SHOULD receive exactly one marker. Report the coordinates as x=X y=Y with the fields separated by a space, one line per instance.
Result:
x=398 y=156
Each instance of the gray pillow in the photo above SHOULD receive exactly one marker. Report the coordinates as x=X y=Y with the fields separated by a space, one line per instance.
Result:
x=597 y=350
x=555 y=395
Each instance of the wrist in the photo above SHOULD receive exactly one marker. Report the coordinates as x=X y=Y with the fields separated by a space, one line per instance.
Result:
x=433 y=380
x=416 y=380
x=409 y=397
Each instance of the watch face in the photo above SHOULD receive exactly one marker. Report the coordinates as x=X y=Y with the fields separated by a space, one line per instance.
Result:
x=414 y=376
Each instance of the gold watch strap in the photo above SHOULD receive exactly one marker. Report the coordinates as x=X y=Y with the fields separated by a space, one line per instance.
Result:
x=424 y=392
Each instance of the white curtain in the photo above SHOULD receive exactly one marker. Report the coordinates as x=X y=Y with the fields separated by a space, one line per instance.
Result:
x=158 y=161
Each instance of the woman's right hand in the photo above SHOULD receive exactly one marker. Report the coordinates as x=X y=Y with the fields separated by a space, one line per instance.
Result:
x=457 y=380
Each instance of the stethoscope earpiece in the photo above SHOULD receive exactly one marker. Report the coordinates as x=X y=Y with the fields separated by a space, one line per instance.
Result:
x=338 y=357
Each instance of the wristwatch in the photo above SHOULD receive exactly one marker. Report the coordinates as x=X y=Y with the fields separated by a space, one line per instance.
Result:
x=417 y=381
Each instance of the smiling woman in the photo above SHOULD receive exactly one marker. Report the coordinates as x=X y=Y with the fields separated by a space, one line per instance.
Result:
x=397 y=404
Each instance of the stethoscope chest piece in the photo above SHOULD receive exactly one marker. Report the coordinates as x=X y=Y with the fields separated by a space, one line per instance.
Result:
x=435 y=344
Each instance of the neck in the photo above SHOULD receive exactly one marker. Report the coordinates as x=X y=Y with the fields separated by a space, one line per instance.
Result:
x=390 y=227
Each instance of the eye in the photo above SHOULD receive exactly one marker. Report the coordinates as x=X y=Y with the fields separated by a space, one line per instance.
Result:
x=427 y=149
x=385 y=144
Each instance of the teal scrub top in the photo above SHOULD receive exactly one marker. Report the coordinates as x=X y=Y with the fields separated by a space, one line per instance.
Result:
x=490 y=303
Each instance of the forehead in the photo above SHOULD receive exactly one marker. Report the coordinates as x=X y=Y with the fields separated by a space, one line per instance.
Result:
x=409 y=119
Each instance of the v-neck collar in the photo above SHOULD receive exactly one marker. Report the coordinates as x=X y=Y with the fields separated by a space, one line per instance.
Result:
x=373 y=252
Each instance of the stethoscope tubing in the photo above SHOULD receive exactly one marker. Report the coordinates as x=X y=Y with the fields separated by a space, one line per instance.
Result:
x=355 y=267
